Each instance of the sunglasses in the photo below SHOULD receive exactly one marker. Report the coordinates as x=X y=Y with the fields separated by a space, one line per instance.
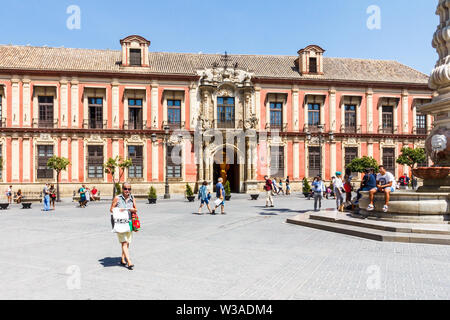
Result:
x=127 y=189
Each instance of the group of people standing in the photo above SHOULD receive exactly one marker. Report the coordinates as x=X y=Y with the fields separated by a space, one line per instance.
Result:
x=86 y=195
x=340 y=187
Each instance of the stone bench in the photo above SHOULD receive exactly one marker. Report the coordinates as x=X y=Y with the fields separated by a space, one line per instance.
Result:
x=76 y=196
x=30 y=197
x=408 y=206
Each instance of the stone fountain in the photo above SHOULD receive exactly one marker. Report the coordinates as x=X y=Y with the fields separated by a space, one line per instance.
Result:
x=421 y=216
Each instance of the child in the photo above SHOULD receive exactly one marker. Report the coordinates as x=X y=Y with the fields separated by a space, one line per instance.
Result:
x=204 y=195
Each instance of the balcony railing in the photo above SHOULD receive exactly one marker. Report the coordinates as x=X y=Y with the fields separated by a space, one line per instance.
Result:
x=277 y=126
x=132 y=125
x=95 y=124
x=388 y=130
x=313 y=128
x=421 y=131
x=174 y=125
x=39 y=123
x=351 y=129
x=228 y=124
x=3 y=123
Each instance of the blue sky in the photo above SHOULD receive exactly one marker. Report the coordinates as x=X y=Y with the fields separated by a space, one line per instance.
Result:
x=238 y=26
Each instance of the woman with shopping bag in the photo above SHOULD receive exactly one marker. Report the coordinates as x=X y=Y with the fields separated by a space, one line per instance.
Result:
x=124 y=212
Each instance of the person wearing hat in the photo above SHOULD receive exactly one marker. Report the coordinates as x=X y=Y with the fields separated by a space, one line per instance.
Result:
x=338 y=191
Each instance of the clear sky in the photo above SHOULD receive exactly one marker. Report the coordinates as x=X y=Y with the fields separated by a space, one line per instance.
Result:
x=237 y=26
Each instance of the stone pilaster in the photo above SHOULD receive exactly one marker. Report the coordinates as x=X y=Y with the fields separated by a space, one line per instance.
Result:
x=369 y=110
x=405 y=120
x=64 y=102
x=115 y=103
x=15 y=97
x=26 y=104
x=74 y=103
x=155 y=105
x=332 y=108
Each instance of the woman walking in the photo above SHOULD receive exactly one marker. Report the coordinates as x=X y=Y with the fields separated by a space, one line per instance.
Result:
x=204 y=197
x=125 y=202
x=46 y=194
x=288 y=187
x=52 y=195
x=338 y=191
x=9 y=194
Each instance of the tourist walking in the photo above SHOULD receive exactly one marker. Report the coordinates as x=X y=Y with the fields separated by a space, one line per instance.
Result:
x=274 y=186
x=52 y=191
x=268 y=188
x=125 y=202
x=280 y=188
x=288 y=186
x=46 y=194
x=88 y=195
x=220 y=194
x=82 y=192
x=339 y=191
x=319 y=189
x=9 y=192
x=204 y=195
x=348 y=187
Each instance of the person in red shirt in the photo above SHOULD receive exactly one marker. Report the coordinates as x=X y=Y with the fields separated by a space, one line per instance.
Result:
x=94 y=193
x=268 y=189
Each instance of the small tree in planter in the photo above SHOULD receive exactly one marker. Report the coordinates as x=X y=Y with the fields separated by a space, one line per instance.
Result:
x=117 y=164
x=152 y=195
x=58 y=164
x=306 y=187
x=227 y=190
x=189 y=193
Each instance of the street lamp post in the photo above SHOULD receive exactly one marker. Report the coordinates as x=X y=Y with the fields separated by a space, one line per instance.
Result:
x=166 y=139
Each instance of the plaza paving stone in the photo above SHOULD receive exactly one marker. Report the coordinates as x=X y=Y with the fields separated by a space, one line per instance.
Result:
x=250 y=253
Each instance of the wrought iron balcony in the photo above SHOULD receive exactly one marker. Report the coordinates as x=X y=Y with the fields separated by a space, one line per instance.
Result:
x=95 y=124
x=351 y=129
x=127 y=125
x=228 y=124
x=313 y=128
x=39 y=123
x=388 y=130
x=420 y=131
x=277 y=126
x=174 y=125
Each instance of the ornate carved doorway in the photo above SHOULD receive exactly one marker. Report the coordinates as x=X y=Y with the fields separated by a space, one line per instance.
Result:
x=227 y=167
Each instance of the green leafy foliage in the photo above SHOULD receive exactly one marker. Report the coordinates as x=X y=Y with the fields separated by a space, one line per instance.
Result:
x=189 y=192
x=58 y=163
x=227 y=188
x=152 y=193
x=411 y=157
x=360 y=164
x=306 y=186
x=117 y=164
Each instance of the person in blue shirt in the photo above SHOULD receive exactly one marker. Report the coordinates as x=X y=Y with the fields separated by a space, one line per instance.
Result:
x=204 y=197
x=220 y=194
x=319 y=189
x=368 y=183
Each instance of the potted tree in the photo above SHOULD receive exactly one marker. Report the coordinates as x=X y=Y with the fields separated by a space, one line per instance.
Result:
x=227 y=190
x=189 y=193
x=152 y=195
x=58 y=164
x=411 y=157
x=306 y=187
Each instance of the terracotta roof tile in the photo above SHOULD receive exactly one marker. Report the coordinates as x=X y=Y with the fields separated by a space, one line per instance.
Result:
x=264 y=66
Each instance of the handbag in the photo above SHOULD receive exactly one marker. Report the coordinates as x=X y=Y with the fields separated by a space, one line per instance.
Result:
x=121 y=221
x=218 y=202
x=136 y=224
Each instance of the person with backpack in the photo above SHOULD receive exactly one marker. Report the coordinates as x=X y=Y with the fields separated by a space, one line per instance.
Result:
x=403 y=181
x=204 y=196
x=268 y=188
x=125 y=202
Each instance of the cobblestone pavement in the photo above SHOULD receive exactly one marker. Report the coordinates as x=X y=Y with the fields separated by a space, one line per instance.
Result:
x=250 y=253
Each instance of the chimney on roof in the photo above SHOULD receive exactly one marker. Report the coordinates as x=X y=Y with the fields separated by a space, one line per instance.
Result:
x=135 y=51
x=310 y=60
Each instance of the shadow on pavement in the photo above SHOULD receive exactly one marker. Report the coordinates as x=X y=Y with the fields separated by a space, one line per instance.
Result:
x=110 y=262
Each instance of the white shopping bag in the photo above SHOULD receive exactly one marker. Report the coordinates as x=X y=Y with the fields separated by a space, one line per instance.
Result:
x=218 y=202
x=121 y=221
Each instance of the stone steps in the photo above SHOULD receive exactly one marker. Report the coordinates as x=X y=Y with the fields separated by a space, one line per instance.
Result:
x=374 y=230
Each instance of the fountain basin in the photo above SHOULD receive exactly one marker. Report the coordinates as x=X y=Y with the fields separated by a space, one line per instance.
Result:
x=410 y=206
x=432 y=172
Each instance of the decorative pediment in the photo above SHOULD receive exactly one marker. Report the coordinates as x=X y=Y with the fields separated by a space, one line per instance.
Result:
x=219 y=76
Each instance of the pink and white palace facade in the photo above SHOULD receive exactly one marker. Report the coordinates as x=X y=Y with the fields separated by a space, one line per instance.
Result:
x=88 y=105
